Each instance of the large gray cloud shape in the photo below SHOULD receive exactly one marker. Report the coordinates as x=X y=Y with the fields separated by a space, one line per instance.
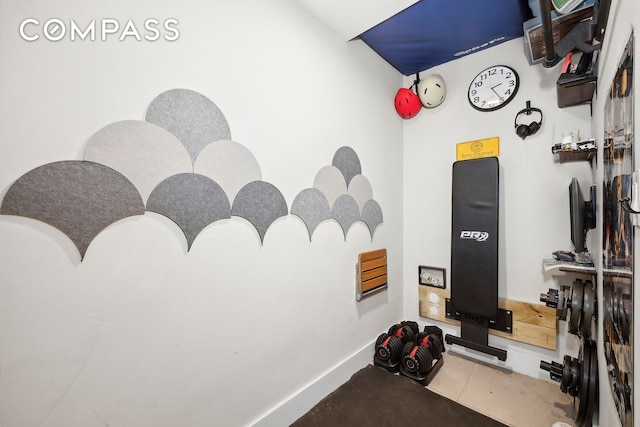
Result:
x=190 y=200
x=143 y=152
x=79 y=198
x=371 y=215
x=345 y=210
x=339 y=192
x=192 y=117
x=230 y=164
x=312 y=206
x=261 y=204
x=347 y=161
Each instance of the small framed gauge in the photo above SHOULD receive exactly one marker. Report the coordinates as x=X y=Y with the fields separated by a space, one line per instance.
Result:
x=435 y=277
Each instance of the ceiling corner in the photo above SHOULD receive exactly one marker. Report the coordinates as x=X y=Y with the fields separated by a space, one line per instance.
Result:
x=350 y=18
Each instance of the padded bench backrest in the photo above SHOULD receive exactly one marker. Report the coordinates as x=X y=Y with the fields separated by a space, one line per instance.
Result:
x=474 y=237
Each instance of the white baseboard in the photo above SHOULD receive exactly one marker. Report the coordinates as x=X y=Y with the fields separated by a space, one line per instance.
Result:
x=301 y=402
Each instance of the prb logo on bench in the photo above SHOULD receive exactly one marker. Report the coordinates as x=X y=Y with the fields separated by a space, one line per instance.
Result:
x=479 y=236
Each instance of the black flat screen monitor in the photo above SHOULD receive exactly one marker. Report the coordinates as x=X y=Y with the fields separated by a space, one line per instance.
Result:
x=583 y=216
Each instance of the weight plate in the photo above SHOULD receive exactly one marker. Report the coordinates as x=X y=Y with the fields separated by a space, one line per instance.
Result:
x=565 y=380
x=593 y=383
x=563 y=300
x=607 y=302
x=588 y=309
x=621 y=309
x=620 y=320
x=583 y=392
x=577 y=294
x=617 y=307
x=626 y=318
x=588 y=385
x=576 y=372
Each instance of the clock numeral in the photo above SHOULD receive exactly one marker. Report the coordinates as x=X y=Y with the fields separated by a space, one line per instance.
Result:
x=478 y=84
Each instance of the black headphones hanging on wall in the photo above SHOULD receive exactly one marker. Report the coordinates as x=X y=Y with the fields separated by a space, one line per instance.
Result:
x=524 y=131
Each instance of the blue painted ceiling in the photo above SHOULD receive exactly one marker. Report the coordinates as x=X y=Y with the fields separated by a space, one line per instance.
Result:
x=432 y=32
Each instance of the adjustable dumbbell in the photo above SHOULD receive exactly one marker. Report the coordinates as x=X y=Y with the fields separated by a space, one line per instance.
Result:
x=417 y=357
x=421 y=359
x=389 y=345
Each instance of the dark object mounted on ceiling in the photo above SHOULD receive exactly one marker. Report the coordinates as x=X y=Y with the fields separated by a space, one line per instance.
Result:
x=586 y=36
x=575 y=87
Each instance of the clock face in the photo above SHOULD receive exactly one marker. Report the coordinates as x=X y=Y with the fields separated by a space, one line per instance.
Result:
x=493 y=88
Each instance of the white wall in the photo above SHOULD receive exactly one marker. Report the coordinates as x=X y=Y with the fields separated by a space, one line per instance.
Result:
x=143 y=332
x=534 y=197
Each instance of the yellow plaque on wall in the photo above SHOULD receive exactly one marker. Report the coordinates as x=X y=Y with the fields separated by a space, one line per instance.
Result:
x=489 y=147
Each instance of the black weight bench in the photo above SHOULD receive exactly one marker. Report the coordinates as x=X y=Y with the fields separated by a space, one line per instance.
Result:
x=474 y=255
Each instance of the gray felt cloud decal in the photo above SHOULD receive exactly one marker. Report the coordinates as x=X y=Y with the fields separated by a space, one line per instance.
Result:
x=340 y=192
x=345 y=210
x=312 y=206
x=190 y=200
x=230 y=164
x=77 y=197
x=347 y=162
x=371 y=215
x=193 y=118
x=143 y=152
x=182 y=164
x=261 y=204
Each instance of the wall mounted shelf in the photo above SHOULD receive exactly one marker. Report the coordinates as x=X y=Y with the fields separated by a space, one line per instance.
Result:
x=577 y=155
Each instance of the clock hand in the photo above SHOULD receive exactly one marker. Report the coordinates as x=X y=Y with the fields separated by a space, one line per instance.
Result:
x=493 y=89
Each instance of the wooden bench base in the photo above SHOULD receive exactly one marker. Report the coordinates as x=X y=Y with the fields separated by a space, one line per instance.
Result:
x=534 y=324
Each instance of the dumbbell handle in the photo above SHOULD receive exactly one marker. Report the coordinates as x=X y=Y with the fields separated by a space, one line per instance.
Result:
x=554 y=369
x=550 y=298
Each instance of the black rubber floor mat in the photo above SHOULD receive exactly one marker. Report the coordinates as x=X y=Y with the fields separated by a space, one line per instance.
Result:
x=376 y=397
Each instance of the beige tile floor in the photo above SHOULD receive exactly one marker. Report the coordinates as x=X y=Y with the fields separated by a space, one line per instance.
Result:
x=511 y=398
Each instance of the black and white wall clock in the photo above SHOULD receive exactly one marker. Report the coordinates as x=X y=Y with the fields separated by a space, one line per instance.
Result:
x=493 y=88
